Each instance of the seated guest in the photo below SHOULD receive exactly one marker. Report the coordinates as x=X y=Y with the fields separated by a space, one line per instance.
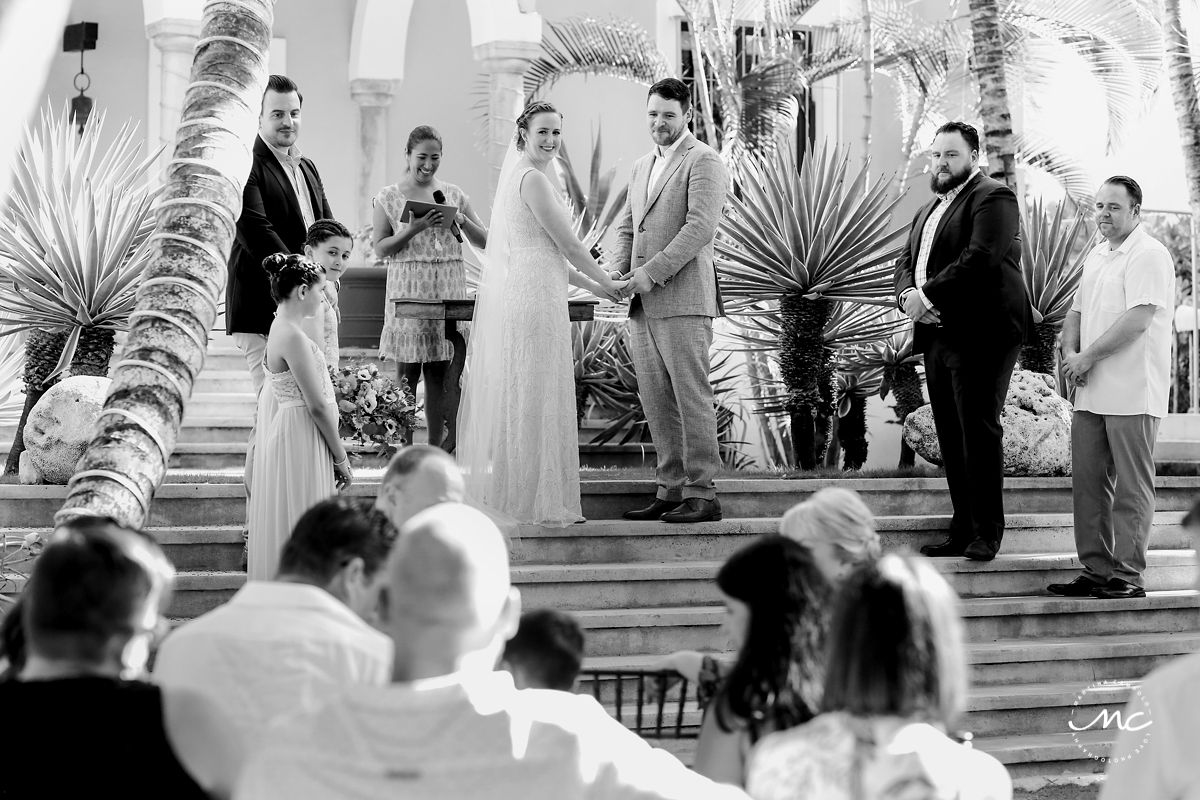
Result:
x=895 y=683
x=450 y=726
x=12 y=642
x=774 y=611
x=417 y=477
x=546 y=652
x=285 y=645
x=88 y=725
x=837 y=527
x=1162 y=765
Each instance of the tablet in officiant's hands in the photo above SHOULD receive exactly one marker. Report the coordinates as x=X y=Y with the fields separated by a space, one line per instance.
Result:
x=419 y=208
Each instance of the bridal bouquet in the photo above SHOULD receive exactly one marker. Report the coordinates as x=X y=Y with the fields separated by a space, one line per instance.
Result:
x=372 y=409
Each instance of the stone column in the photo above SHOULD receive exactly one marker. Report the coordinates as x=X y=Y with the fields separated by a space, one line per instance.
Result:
x=505 y=64
x=175 y=40
x=373 y=97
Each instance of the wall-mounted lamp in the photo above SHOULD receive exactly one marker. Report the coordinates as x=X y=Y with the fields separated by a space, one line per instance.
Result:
x=80 y=38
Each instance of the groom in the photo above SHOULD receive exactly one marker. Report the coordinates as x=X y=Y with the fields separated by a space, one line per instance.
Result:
x=665 y=247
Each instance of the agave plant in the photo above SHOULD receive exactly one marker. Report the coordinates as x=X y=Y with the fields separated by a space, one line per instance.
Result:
x=894 y=359
x=806 y=239
x=12 y=396
x=1052 y=261
x=72 y=246
x=593 y=212
x=853 y=389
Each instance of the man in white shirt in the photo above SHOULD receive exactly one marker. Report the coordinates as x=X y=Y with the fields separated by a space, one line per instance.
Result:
x=417 y=477
x=1154 y=756
x=449 y=725
x=283 y=646
x=1116 y=350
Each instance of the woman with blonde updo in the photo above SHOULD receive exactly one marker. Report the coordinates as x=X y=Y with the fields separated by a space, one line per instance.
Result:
x=837 y=526
x=424 y=262
x=299 y=458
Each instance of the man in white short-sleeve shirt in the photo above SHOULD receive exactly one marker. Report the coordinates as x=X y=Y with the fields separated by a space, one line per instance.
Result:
x=282 y=647
x=449 y=725
x=1116 y=351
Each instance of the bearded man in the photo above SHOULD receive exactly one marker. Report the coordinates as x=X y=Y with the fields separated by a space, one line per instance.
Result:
x=959 y=281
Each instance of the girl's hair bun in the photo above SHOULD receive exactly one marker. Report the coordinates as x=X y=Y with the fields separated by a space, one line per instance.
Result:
x=275 y=263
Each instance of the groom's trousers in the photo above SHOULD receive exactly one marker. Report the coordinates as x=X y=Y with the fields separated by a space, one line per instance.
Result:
x=671 y=359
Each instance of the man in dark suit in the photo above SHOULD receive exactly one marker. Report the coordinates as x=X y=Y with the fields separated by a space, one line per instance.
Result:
x=283 y=196
x=960 y=282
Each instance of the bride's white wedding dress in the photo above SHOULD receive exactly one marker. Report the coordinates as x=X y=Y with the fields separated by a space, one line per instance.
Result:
x=518 y=440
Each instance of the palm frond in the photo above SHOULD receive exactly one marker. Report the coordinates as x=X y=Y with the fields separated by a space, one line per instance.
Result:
x=12 y=387
x=616 y=48
x=1071 y=169
x=1120 y=44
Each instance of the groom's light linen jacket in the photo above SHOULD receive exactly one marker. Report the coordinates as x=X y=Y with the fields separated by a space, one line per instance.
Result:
x=668 y=229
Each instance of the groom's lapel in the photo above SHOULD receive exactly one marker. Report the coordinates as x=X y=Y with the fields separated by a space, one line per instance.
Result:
x=677 y=156
x=641 y=177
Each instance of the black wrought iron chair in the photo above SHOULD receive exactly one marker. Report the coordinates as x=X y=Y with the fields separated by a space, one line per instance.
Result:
x=653 y=704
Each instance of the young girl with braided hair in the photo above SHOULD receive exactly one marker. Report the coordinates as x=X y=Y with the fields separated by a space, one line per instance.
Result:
x=299 y=458
x=328 y=245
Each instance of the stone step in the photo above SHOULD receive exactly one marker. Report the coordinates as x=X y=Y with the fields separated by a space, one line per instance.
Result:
x=573 y=586
x=1078 y=661
x=1177 y=450
x=223 y=380
x=614 y=631
x=201 y=549
x=771 y=497
x=621 y=541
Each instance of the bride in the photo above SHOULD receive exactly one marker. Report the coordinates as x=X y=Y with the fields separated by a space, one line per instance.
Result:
x=518 y=442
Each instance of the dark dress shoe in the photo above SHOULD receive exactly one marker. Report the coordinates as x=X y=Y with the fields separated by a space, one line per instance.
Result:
x=950 y=548
x=653 y=511
x=982 y=550
x=695 y=509
x=1082 y=586
x=1118 y=589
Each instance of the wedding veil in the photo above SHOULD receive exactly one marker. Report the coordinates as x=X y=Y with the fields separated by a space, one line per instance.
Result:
x=477 y=420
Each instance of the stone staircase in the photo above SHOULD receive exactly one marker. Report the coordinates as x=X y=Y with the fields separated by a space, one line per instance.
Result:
x=644 y=589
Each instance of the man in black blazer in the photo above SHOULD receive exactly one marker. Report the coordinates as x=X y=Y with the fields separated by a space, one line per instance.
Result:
x=960 y=282
x=283 y=196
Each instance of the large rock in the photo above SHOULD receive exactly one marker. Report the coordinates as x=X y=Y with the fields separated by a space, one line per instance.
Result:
x=61 y=425
x=1037 y=428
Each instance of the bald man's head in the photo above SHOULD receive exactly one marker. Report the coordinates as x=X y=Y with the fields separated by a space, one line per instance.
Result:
x=448 y=582
x=418 y=477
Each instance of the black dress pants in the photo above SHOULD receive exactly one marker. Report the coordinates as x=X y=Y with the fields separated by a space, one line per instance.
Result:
x=967 y=389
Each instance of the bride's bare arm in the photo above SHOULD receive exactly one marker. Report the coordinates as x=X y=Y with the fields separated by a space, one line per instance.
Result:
x=539 y=196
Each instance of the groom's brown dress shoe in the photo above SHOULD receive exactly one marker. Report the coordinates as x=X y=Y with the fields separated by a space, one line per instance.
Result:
x=695 y=509
x=653 y=511
x=1082 y=586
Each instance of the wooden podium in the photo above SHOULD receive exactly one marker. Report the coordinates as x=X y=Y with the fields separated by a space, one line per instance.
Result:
x=453 y=312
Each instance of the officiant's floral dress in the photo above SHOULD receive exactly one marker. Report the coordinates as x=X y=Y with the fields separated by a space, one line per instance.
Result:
x=430 y=267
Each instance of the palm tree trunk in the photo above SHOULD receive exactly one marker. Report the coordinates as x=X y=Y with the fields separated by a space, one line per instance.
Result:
x=852 y=433
x=802 y=360
x=1038 y=355
x=93 y=353
x=1183 y=91
x=906 y=388
x=868 y=68
x=988 y=61
x=177 y=301
x=42 y=351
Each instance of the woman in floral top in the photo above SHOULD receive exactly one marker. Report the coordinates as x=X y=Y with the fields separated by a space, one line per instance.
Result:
x=424 y=261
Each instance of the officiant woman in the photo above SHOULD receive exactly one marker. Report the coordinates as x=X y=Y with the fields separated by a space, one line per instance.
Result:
x=424 y=262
